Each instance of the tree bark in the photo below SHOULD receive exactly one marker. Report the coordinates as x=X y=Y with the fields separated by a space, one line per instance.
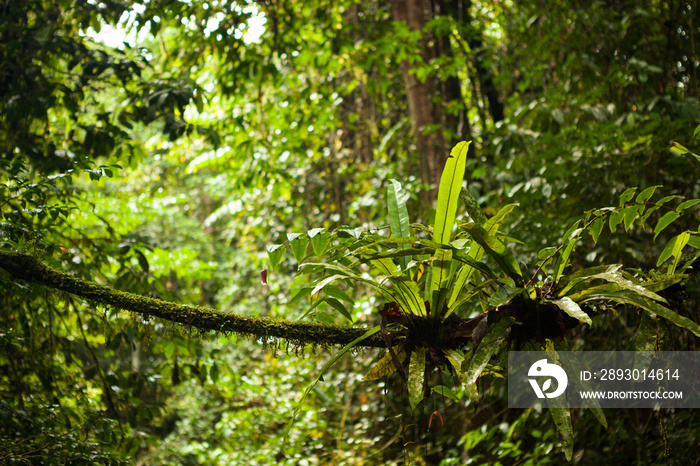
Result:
x=431 y=144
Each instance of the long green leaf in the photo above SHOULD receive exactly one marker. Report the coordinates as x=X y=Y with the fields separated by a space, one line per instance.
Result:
x=497 y=250
x=398 y=217
x=386 y=365
x=573 y=309
x=475 y=252
x=439 y=280
x=490 y=345
x=410 y=298
x=448 y=193
x=562 y=419
x=635 y=299
x=416 y=377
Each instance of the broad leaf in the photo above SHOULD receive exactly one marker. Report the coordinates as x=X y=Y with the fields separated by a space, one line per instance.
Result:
x=665 y=221
x=416 y=377
x=409 y=296
x=398 y=217
x=497 y=250
x=635 y=299
x=386 y=365
x=573 y=309
x=448 y=193
x=490 y=345
x=275 y=253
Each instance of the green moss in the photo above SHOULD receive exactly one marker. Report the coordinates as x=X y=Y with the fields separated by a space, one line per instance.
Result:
x=298 y=334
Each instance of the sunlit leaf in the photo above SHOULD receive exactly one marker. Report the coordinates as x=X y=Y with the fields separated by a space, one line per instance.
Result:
x=299 y=246
x=448 y=193
x=573 y=309
x=597 y=228
x=275 y=252
x=665 y=221
x=398 y=217
x=646 y=194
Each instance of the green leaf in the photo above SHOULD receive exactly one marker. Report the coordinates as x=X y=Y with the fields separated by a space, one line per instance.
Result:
x=338 y=306
x=406 y=291
x=687 y=204
x=597 y=228
x=398 y=217
x=275 y=252
x=546 y=253
x=439 y=279
x=504 y=293
x=616 y=217
x=674 y=248
x=476 y=252
x=563 y=259
x=665 y=221
x=448 y=193
x=490 y=345
x=337 y=293
x=446 y=392
x=573 y=309
x=646 y=194
x=299 y=246
x=299 y=295
x=626 y=196
x=416 y=377
x=630 y=213
x=635 y=299
x=319 y=242
x=562 y=419
x=323 y=370
x=386 y=366
x=679 y=148
x=497 y=250
x=619 y=282
x=472 y=206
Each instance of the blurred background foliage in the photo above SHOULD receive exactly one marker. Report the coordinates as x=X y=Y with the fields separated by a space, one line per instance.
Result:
x=159 y=146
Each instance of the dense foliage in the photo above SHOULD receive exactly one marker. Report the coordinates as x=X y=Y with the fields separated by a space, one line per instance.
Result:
x=187 y=159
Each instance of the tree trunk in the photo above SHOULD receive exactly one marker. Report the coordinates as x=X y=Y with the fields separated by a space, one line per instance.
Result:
x=432 y=149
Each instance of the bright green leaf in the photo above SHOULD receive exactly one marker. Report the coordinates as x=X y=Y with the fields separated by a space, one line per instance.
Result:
x=448 y=193
x=626 y=196
x=275 y=252
x=665 y=221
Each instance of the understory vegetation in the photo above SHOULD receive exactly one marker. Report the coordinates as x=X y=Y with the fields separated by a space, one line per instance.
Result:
x=308 y=233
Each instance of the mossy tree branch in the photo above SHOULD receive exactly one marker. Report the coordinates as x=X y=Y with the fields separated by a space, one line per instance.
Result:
x=30 y=269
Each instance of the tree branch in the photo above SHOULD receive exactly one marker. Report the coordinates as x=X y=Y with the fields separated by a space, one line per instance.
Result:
x=30 y=269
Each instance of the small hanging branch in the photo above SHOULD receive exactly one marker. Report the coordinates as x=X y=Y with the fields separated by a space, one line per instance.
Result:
x=30 y=269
